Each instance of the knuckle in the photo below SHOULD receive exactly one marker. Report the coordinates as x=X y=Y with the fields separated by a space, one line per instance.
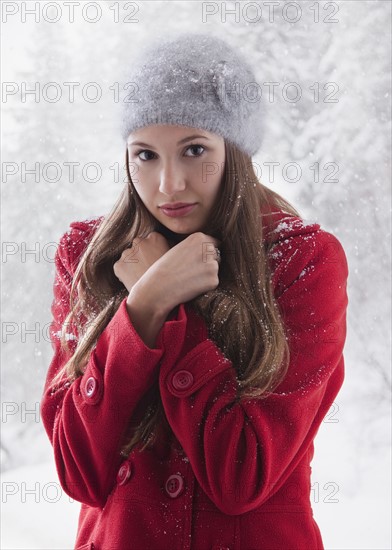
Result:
x=198 y=235
x=214 y=267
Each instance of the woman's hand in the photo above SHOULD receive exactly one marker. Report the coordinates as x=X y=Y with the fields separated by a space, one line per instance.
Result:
x=135 y=261
x=185 y=271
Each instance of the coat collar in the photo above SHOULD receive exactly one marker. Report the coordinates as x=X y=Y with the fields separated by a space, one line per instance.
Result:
x=279 y=225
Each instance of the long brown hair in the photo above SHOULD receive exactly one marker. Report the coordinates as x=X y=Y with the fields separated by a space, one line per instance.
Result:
x=242 y=316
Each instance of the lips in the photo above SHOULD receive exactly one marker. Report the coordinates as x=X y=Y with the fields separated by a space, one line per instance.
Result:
x=176 y=206
x=179 y=210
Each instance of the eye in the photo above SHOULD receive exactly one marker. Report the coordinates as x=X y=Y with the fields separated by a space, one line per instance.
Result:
x=195 y=146
x=138 y=153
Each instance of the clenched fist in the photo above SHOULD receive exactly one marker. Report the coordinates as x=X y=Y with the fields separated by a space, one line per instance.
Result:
x=135 y=261
x=185 y=271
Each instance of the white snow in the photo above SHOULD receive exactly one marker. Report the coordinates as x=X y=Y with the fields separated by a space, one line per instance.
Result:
x=36 y=513
x=68 y=335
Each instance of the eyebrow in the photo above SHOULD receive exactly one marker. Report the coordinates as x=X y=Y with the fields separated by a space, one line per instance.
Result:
x=184 y=140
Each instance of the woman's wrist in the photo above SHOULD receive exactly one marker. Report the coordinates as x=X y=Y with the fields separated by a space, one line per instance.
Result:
x=148 y=293
x=147 y=316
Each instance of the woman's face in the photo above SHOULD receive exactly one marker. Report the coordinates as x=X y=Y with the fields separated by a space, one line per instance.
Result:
x=170 y=164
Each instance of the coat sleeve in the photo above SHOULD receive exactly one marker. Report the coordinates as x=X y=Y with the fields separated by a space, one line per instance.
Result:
x=86 y=419
x=243 y=452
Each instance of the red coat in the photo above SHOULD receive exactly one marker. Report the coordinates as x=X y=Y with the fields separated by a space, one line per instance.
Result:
x=237 y=476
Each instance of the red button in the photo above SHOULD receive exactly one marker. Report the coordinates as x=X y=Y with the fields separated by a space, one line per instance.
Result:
x=182 y=380
x=91 y=386
x=174 y=485
x=124 y=473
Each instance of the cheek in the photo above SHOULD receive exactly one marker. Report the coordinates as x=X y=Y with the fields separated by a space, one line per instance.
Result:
x=210 y=179
x=146 y=197
x=216 y=179
x=143 y=187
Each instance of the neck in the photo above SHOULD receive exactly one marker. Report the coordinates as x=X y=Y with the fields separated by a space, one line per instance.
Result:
x=172 y=237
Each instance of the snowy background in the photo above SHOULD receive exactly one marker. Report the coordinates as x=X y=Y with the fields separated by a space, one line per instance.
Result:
x=338 y=55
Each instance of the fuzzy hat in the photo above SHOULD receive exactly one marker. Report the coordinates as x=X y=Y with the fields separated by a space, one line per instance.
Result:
x=194 y=80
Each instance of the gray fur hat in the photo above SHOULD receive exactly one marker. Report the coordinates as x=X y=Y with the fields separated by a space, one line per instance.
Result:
x=195 y=80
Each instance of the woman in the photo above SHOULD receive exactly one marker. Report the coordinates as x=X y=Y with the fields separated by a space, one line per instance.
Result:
x=196 y=349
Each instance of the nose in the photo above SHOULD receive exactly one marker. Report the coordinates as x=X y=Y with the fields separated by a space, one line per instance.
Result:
x=172 y=179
